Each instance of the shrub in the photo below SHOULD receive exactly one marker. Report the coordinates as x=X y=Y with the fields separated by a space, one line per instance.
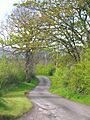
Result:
x=59 y=78
x=73 y=81
x=10 y=73
x=45 y=70
x=79 y=78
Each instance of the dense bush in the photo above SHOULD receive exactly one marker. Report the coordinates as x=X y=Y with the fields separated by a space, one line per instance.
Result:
x=79 y=78
x=45 y=70
x=79 y=75
x=73 y=81
x=10 y=73
x=59 y=77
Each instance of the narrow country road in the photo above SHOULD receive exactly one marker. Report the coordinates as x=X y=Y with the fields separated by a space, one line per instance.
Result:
x=52 y=107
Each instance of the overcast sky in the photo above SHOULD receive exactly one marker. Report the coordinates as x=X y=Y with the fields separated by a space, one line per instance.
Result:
x=5 y=7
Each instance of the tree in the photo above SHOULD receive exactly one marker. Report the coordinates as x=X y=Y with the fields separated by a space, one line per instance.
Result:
x=70 y=26
x=23 y=24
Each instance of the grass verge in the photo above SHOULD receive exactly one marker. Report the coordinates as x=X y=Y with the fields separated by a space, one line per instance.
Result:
x=64 y=92
x=14 y=103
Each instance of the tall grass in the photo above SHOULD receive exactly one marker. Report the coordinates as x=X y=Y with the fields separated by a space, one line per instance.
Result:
x=11 y=73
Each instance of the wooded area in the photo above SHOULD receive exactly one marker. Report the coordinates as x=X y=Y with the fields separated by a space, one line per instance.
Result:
x=57 y=30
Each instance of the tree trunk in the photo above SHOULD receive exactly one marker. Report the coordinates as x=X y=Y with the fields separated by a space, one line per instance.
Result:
x=29 y=65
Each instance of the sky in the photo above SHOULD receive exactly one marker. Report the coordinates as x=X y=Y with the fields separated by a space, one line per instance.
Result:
x=5 y=7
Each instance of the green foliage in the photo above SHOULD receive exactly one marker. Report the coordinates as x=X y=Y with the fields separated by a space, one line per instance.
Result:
x=86 y=55
x=59 y=77
x=59 y=82
x=79 y=78
x=11 y=73
x=79 y=75
x=47 y=70
x=73 y=82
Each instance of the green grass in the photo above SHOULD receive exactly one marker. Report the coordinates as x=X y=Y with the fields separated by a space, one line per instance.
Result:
x=66 y=93
x=14 y=103
x=15 y=106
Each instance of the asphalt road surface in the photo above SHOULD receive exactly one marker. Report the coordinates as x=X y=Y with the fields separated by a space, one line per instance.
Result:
x=52 y=107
